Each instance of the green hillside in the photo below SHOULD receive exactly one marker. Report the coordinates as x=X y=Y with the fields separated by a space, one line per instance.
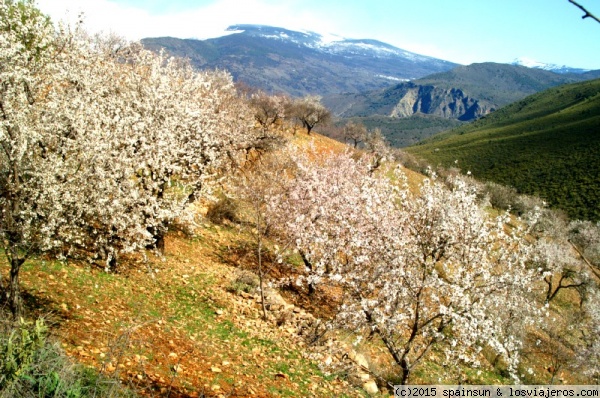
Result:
x=501 y=84
x=403 y=132
x=547 y=144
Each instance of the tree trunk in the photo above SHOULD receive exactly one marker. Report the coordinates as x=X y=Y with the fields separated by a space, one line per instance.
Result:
x=3 y=289
x=405 y=372
x=159 y=243
x=158 y=234
x=307 y=264
x=549 y=294
x=307 y=126
x=12 y=294
x=261 y=275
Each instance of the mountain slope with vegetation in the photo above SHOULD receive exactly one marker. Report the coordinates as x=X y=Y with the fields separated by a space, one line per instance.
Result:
x=464 y=93
x=547 y=144
x=403 y=132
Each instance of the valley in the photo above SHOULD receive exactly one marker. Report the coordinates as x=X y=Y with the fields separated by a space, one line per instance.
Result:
x=547 y=145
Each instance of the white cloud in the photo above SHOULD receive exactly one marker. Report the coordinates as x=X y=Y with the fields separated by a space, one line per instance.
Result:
x=208 y=21
x=99 y=15
x=211 y=20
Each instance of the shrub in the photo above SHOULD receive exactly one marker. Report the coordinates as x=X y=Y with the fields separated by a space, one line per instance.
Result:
x=525 y=203
x=18 y=347
x=552 y=223
x=501 y=197
x=33 y=366
x=224 y=209
x=246 y=282
x=586 y=235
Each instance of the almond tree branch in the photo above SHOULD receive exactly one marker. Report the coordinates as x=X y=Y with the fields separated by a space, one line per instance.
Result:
x=587 y=13
x=589 y=264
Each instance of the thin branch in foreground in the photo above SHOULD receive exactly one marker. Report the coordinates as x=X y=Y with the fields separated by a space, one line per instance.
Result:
x=589 y=264
x=587 y=13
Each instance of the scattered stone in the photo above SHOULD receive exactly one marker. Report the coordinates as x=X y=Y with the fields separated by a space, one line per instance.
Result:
x=361 y=361
x=371 y=387
x=214 y=369
x=274 y=307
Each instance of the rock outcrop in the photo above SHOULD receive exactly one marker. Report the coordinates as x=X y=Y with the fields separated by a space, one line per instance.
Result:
x=300 y=325
x=451 y=103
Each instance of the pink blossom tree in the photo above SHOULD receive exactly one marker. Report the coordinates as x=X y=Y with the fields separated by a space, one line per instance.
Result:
x=423 y=272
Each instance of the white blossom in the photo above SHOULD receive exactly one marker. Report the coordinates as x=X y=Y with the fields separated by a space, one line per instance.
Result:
x=416 y=268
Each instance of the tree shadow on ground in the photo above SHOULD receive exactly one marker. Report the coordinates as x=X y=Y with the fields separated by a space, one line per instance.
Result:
x=36 y=306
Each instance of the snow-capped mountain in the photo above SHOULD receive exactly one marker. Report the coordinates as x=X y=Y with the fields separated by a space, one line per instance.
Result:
x=302 y=62
x=332 y=44
x=530 y=63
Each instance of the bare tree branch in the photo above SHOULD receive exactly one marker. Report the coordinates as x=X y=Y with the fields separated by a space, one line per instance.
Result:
x=589 y=264
x=587 y=13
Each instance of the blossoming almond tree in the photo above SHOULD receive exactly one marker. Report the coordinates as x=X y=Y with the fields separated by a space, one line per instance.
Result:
x=29 y=207
x=269 y=110
x=555 y=260
x=421 y=273
x=186 y=125
x=103 y=143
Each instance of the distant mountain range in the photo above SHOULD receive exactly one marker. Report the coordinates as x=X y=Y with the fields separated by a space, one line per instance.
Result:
x=299 y=63
x=364 y=78
x=463 y=93
x=534 y=126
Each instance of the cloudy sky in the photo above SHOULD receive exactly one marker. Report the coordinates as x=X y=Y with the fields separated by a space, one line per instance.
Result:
x=462 y=31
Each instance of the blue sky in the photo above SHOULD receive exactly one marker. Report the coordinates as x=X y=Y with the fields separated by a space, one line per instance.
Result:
x=462 y=31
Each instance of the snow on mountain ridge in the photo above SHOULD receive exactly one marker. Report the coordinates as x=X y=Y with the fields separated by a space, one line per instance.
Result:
x=531 y=63
x=329 y=43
